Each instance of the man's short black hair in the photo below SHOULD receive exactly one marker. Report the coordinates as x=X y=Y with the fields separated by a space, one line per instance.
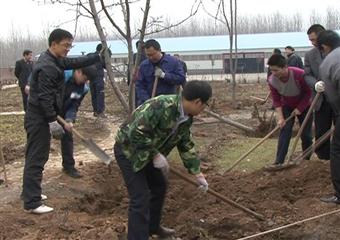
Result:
x=26 y=52
x=290 y=47
x=152 y=43
x=329 y=38
x=277 y=60
x=99 y=47
x=197 y=90
x=315 y=28
x=276 y=51
x=139 y=42
x=57 y=35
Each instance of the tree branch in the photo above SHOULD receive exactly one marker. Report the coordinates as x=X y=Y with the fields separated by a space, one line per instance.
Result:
x=192 y=13
x=111 y=20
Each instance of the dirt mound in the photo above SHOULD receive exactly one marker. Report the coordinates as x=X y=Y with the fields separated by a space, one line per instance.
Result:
x=282 y=197
x=13 y=152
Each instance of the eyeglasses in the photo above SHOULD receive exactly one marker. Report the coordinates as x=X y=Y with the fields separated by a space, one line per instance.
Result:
x=67 y=45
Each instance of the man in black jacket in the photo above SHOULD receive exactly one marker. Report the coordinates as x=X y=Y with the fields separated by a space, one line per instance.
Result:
x=323 y=114
x=97 y=86
x=329 y=72
x=44 y=104
x=23 y=69
x=293 y=60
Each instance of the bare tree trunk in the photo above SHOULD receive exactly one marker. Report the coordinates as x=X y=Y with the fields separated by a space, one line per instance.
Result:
x=234 y=26
x=233 y=67
x=133 y=73
x=107 y=57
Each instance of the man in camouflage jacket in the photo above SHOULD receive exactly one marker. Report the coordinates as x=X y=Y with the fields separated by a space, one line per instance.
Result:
x=141 y=147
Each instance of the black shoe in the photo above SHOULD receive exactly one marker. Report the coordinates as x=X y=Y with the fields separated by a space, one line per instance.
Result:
x=101 y=115
x=163 y=232
x=72 y=172
x=95 y=114
x=332 y=199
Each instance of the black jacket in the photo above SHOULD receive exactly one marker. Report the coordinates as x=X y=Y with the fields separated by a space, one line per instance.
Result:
x=294 y=61
x=47 y=83
x=99 y=66
x=22 y=71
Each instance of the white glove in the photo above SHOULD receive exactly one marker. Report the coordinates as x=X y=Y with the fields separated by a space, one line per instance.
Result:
x=159 y=72
x=203 y=184
x=319 y=86
x=160 y=162
x=57 y=131
x=27 y=89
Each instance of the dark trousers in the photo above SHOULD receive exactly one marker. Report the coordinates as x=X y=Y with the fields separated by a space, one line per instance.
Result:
x=24 y=97
x=147 y=189
x=37 y=151
x=98 y=95
x=67 y=150
x=323 y=119
x=335 y=157
x=286 y=134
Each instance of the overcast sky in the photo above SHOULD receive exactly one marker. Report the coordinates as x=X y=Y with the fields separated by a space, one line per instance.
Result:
x=23 y=15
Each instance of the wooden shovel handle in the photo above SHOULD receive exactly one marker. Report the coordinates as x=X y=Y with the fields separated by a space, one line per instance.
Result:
x=61 y=120
x=154 y=88
x=218 y=195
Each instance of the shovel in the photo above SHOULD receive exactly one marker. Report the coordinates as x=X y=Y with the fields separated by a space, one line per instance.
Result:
x=89 y=144
x=219 y=196
x=303 y=125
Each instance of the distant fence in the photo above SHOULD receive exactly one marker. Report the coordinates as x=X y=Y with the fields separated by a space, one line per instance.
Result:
x=7 y=76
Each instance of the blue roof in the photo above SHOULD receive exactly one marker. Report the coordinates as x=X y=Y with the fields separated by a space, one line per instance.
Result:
x=208 y=43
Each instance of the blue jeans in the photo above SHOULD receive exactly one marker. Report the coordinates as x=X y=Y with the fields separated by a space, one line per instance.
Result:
x=286 y=134
x=147 y=189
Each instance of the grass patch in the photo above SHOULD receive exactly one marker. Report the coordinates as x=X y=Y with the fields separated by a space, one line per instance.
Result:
x=260 y=157
x=12 y=130
x=257 y=159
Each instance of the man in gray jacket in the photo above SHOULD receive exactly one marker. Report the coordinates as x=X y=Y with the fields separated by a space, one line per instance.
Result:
x=323 y=112
x=329 y=43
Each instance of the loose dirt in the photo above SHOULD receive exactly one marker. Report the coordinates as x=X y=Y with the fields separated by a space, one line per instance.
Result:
x=96 y=206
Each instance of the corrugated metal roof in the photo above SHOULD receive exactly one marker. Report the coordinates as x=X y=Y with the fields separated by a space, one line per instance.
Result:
x=207 y=43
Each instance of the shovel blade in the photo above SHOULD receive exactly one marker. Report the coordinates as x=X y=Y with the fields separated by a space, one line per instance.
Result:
x=97 y=151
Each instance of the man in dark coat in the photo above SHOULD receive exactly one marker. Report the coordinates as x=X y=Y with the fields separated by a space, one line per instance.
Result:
x=44 y=104
x=293 y=60
x=23 y=69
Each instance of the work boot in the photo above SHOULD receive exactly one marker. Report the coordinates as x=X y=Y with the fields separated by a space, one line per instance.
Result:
x=163 y=232
x=72 y=172
x=332 y=199
x=40 y=210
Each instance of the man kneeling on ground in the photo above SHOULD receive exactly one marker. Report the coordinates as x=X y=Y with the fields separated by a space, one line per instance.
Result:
x=141 y=147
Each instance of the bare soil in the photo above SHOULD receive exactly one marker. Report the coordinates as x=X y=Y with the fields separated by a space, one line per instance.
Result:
x=95 y=206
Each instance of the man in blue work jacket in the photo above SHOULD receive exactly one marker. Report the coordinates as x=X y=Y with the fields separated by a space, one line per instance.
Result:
x=76 y=88
x=166 y=68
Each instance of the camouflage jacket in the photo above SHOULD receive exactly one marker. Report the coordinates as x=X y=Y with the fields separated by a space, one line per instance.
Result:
x=158 y=126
